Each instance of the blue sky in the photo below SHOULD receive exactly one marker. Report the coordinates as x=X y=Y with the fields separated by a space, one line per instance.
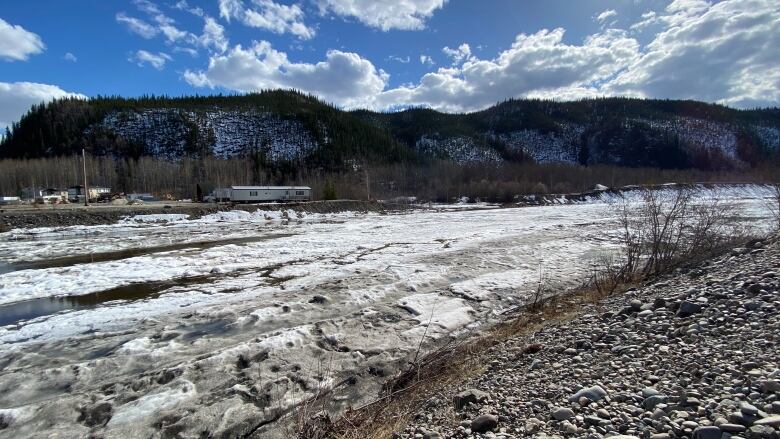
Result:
x=456 y=55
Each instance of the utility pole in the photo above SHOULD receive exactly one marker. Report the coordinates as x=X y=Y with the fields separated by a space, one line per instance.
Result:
x=86 y=188
x=368 y=184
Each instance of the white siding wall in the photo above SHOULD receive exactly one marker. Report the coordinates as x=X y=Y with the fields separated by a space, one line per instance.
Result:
x=270 y=194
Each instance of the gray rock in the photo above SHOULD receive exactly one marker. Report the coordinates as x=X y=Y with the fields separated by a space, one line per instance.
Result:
x=471 y=396
x=651 y=402
x=739 y=418
x=484 y=423
x=732 y=428
x=431 y=435
x=688 y=308
x=569 y=428
x=748 y=409
x=771 y=386
x=772 y=421
x=709 y=432
x=562 y=413
x=761 y=432
x=595 y=393
x=659 y=302
x=754 y=305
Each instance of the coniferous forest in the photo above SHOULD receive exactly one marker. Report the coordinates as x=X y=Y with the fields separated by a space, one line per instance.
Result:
x=169 y=145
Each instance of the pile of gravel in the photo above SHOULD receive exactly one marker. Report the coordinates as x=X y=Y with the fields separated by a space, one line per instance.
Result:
x=696 y=355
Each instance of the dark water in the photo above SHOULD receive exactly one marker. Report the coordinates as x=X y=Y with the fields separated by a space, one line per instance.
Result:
x=16 y=312
x=13 y=313
x=129 y=253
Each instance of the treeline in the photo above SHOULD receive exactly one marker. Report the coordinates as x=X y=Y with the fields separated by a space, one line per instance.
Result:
x=61 y=128
x=615 y=131
x=438 y=181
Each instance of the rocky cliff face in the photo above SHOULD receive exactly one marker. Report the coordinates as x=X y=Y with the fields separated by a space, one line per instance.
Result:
x=172 y=133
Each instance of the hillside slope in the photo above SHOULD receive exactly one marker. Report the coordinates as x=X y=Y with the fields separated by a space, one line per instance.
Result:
x=286 y=128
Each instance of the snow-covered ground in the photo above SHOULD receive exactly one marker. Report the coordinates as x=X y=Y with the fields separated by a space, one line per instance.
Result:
x=232 y=336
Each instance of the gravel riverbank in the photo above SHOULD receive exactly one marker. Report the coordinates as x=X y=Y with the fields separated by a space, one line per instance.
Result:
x=696 y=355
x=22 y=217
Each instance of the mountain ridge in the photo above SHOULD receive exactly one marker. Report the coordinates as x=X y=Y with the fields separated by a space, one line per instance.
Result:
x=286 y=129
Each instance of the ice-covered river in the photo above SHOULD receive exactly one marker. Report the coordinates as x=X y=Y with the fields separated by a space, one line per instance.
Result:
x=222 y=324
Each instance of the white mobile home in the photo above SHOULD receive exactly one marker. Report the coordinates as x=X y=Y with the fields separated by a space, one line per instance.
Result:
x=259 y=194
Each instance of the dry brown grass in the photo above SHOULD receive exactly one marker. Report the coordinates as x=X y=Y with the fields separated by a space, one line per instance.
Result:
x=404 y=395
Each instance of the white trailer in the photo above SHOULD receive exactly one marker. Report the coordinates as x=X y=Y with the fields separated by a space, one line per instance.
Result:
x=259 y=194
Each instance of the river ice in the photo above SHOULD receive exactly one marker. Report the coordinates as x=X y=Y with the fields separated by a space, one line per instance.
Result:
x=233 y=336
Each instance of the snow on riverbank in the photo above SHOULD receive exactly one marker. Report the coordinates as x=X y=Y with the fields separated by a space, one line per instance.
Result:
x=238 y=333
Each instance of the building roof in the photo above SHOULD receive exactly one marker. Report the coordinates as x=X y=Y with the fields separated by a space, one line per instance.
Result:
x=262 y=188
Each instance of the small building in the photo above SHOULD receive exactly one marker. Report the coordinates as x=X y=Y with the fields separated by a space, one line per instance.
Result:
x=76 y=193
x=259 y=194
x=53 y=193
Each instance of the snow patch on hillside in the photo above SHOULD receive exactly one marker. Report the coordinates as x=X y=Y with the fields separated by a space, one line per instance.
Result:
x=699 y=132
x=171 y=133
x=769 y=136
x=460 y=149
x=561 y=146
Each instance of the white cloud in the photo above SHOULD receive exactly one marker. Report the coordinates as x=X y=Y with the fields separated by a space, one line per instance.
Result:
x=606 y=15
x=269 y=15
x=70 y=57
x=343 y=78
x=172 y=33
x=539 y=63
x=213 y=36
x=165 y=25
x=384 y=15
x=401 y=59
x=143 y=57
x=137 y=26
x=16 y=98
x=17 y=43
x=188 y=50
x=182 y=5
x=722 y=52
x=459 y=55
x=649 y=18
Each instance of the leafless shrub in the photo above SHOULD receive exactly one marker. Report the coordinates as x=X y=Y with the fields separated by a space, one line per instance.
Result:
x=665 y=229
x=541 y=288
x=607 y=274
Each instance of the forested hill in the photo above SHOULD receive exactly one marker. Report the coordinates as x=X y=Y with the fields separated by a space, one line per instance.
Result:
x=281 y=129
